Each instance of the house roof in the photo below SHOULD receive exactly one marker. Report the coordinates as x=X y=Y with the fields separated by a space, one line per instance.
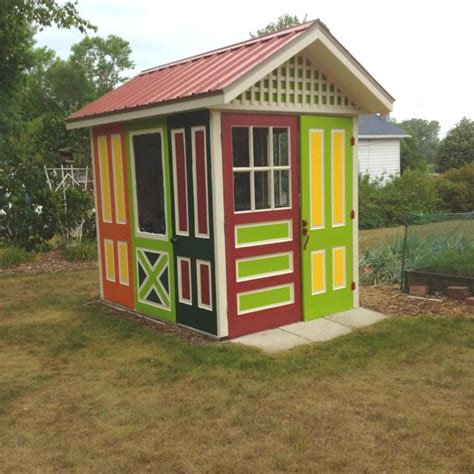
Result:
x=374 y=126
x=218 y=76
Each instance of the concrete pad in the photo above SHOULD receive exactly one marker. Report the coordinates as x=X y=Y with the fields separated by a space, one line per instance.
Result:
x=356 y=318
x=272 y=340
x=318 y=330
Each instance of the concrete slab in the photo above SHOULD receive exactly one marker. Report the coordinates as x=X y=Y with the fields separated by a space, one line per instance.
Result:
x=272 y=340
x=356 y=318
x=307 y=332
x=318 y=330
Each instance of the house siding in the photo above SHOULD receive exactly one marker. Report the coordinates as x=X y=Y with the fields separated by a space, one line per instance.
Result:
x=379 y=158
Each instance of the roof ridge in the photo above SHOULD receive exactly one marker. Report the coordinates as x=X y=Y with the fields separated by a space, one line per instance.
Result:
x=249 y=42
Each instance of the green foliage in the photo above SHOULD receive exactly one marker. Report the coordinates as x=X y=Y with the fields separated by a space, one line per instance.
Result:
x=420 y=149
x=457 y=148
x=456 y=189
x=387 y=203
x=84 y=251
x=428 y=247
x=283 y=21
x=79 y=205
x=453 y=262
x=103 y=60
x=29 y=212
x=13 y=256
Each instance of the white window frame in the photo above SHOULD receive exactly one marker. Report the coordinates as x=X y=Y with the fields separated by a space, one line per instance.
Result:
x=138 y=232
x=251 y=169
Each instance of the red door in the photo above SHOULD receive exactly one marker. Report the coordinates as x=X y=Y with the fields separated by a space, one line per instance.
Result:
x=261 y=221
x=113 y=212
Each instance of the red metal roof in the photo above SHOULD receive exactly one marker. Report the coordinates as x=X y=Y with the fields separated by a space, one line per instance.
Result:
x=204 y=74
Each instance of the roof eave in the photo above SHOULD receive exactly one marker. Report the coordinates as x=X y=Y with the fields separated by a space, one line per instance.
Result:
x=207 y=100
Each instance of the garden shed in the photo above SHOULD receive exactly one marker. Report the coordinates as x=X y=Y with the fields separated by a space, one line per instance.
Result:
x=226 y=183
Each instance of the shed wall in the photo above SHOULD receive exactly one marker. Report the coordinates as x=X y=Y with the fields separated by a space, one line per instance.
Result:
x=379 y=158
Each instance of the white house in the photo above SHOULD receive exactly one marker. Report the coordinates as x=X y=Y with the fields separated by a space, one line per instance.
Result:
x=379 y=146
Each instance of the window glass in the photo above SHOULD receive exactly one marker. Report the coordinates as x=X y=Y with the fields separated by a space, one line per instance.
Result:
x=242 y=191
x=280 y=147
x=240 y=147
x=260 y=147
x=262 y=190
x=150 y=193
x=281 y=184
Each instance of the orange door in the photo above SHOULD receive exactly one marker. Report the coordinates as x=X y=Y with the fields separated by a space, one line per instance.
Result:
x=113 y=215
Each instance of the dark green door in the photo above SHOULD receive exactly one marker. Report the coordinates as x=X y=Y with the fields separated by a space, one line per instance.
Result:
x=192 y=230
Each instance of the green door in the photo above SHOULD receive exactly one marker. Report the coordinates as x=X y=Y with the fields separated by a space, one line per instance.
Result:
x=151 y=216
x=326 y=215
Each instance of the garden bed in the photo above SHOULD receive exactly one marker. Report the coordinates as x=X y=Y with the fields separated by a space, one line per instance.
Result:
x=437 y=282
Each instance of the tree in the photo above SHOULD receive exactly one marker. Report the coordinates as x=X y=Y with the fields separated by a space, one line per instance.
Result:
x=427 y=134
x=18 y=21
x=283 y=21
x=103 y=60
x=457 y=148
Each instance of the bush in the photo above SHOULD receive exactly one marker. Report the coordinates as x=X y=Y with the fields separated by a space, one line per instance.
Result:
x=387 y=203
x=81 y=252
x=13 y=256
x=456 y=189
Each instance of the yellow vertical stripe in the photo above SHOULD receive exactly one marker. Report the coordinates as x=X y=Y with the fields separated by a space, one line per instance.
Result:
x=317 y=176
x=338 y=177
x=318 y=270
x=109 y=260
x=104 y=179
x=339 y=265
x=118 y=179
x=123 y=262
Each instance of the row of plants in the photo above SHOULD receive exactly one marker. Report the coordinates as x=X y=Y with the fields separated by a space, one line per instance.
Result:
x=387 y=202
x=450 y=252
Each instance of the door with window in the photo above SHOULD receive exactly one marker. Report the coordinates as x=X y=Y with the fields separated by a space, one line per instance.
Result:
x=326 y=213
x=261 y=221
x=151 y=216
x=113 y=215
x=193 y=232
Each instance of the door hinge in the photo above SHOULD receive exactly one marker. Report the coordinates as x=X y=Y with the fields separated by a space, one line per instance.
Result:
x=353 y=285
x=353 y=141
x=353 y=214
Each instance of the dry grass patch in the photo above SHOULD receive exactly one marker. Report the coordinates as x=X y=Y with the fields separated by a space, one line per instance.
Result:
x=82 y=390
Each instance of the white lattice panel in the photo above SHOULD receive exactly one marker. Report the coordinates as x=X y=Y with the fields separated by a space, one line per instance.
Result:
x=296 y=84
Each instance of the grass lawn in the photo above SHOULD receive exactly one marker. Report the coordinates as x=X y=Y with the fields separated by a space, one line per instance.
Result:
x=81 y=390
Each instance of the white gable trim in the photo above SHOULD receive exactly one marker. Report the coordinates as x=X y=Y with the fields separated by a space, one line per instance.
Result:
x=313 y=34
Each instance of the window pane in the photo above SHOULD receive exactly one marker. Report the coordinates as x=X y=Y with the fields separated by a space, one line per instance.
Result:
x=280 y=147
x=262 y=190
x=240 y=147
x=242 y=191
x=260 y=147
x=151 y=202
x=281 y=188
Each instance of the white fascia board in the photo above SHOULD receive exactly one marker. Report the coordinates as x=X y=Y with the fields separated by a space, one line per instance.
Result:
x=165 y=109
x=376 y=137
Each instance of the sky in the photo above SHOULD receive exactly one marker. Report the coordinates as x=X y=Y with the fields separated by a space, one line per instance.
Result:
x=419 y=50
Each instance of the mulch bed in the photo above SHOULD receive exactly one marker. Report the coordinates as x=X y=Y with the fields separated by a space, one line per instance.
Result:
x=47 y=262
x=390 y=301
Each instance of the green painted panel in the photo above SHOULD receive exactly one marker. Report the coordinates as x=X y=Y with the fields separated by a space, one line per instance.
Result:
x=263 y=265
x=158 y=248
x=264 y=233
x=327 y=238
x=264 y=298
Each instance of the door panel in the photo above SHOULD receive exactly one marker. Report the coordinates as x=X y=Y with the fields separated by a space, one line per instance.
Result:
x=326 y=205
x=193 y=231
x=113 y=214
x=262 y=221
x=153 y=255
